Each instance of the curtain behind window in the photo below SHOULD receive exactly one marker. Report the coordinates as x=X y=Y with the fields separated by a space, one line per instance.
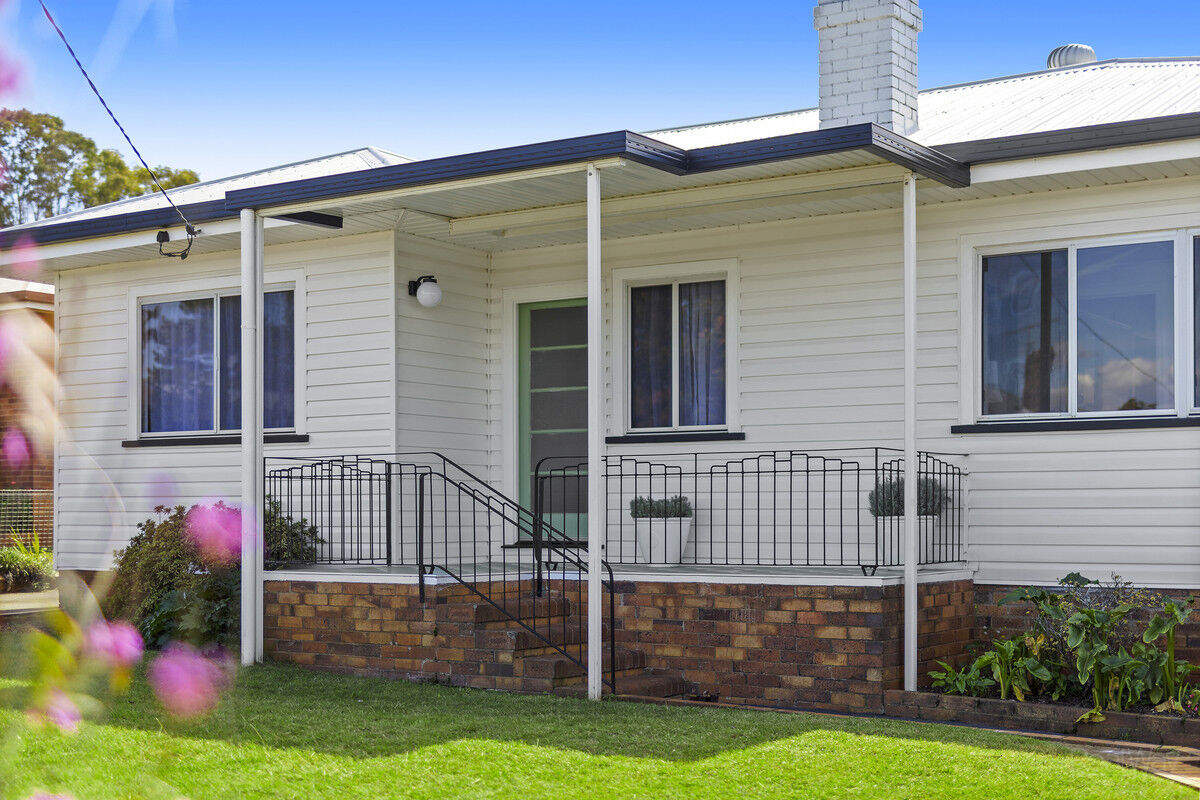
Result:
x=177 y=366
x=702 y=353
x=650 y=356
x=279 y=349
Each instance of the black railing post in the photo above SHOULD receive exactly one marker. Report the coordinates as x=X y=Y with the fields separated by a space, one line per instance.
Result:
x=387 y=509
x=538 y=511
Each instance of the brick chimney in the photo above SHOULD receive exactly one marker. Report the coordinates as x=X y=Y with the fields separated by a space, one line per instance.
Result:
x=868 y=54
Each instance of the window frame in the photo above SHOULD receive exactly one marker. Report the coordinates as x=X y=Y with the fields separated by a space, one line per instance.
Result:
x=623 y=282
x=1182 y=321
x=214 y=289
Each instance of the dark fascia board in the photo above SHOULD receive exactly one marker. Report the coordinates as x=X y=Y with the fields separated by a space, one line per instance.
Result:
x=625 y=144
x=1070 y=140
x=619 y=144
x=866 y=136
x=121 y=223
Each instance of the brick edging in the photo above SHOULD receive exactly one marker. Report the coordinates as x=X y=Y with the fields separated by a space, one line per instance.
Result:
x=1157 y=729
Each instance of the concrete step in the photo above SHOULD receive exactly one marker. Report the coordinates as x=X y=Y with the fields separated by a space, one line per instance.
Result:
x=541 y=610
x=521 y=641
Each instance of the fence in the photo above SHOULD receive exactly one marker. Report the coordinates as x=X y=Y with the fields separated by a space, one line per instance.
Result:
x=26 y=513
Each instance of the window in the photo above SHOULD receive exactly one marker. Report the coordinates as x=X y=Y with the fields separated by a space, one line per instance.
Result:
x=677 y=355
x=191 y=363
x=1080 y=330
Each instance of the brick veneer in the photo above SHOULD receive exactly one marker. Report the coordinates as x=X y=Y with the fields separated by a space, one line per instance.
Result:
x=828 y=647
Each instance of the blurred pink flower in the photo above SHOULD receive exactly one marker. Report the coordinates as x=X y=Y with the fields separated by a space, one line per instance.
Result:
x=25 y=264
x=187 y=683
x=217 y=530
x=15 y=447
x=48 y=796
x=58 y=711
x=117 y=644
x=10 y=75
x=163 y=489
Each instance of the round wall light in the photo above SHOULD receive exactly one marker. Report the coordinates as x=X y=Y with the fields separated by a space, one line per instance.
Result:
x=426 y=290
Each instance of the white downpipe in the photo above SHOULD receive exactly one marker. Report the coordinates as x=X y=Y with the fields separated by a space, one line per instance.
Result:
x=595 y=412
x=251 y=432
x=911 y=534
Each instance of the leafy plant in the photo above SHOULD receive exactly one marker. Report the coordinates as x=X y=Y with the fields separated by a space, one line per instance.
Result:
x=26 y=566
x=1173 y=671
x=1088 y=635
x=165 y=585
x=286 y=539
x=887 y=498
x=1012 y=665
x=664 y=508
x=967 y=681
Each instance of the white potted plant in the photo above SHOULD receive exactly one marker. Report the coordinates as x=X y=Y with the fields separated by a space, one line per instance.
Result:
x=663 y=528
x=886 y=503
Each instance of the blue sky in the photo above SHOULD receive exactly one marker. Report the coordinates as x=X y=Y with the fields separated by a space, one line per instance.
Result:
x=225 y=86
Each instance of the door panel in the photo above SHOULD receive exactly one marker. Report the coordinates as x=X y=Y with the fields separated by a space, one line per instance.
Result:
x=552 y=424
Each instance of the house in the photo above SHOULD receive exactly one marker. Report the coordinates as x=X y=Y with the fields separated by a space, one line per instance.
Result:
x=26 y=484
x=469 y=366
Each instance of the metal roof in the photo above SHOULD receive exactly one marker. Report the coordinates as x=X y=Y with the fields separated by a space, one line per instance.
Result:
x=1116 y=90
x=215 y=190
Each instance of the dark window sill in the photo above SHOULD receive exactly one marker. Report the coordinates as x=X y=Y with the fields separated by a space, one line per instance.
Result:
x=1051 y=425
x=201 y=441
x=676 y=436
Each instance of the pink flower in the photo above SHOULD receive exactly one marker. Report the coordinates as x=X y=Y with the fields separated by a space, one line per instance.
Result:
x=185 y=682
x=163 y=489
x=59 y=711
x=25 y=264
x=217 y=531
x=117 y=644
x=48 y=796
x=15 y=447
x=10 y=75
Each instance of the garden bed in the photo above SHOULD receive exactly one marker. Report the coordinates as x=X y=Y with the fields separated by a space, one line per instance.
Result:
x=1167 y=729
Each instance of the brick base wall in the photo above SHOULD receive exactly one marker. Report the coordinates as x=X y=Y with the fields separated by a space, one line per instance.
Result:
x=828 y=647
x=825 y=647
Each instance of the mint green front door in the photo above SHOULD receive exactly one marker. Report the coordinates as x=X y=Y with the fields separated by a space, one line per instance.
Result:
x=552 y=419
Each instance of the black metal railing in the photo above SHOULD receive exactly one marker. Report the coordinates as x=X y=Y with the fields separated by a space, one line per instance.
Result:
x=424 y=510
x=776 y=508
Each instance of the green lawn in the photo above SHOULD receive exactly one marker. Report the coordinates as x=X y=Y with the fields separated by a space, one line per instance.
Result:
x=286 y=733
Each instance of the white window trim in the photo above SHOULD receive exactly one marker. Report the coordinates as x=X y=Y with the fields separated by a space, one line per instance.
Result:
x=274 y=280
x=973 y=249
x=684 y=272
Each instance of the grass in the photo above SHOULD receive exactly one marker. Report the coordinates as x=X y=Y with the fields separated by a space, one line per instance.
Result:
x=286 y=733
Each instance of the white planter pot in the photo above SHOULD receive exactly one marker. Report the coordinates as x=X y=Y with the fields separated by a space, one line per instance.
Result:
x=893 y=526
x=662 y=540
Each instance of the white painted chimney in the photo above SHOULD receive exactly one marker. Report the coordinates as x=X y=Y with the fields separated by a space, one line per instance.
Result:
x=868 y=53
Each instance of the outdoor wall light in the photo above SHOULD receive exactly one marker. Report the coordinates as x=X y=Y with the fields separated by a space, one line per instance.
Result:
x=426 y=290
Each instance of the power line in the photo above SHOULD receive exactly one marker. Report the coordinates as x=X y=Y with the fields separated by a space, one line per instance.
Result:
x=188 y=227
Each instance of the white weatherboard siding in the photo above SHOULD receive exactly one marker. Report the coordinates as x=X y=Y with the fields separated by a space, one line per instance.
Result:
x=104 y=489
x=442 y=352
x=820 y=361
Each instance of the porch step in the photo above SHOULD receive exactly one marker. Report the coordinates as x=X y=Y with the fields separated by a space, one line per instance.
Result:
x=563 y=670
x=519 y=640
x=541 y=609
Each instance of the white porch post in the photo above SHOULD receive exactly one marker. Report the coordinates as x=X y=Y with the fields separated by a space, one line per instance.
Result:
x=595 y=418
x=911 y=534
x=251 y=267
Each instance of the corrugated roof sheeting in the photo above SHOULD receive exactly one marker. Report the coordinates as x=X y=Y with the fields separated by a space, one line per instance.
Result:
x=1116 y=90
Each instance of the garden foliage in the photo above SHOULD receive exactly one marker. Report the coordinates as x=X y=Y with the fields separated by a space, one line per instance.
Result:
x=26 y=567
x=665 y=508
x=1091 y=642
x=172 y=591
x=887 y=498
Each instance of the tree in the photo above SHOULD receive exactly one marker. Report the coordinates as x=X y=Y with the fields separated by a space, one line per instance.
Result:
x=49 y=170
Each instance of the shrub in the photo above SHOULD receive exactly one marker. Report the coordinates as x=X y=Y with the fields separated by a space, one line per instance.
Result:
x=665 y=508
x=969 y=681
x=286 y=539
x=23 y=567
x=169 y=589
x=887 y=499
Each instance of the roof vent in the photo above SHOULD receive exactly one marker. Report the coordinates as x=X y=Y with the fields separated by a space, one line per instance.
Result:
x=1070 y=55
